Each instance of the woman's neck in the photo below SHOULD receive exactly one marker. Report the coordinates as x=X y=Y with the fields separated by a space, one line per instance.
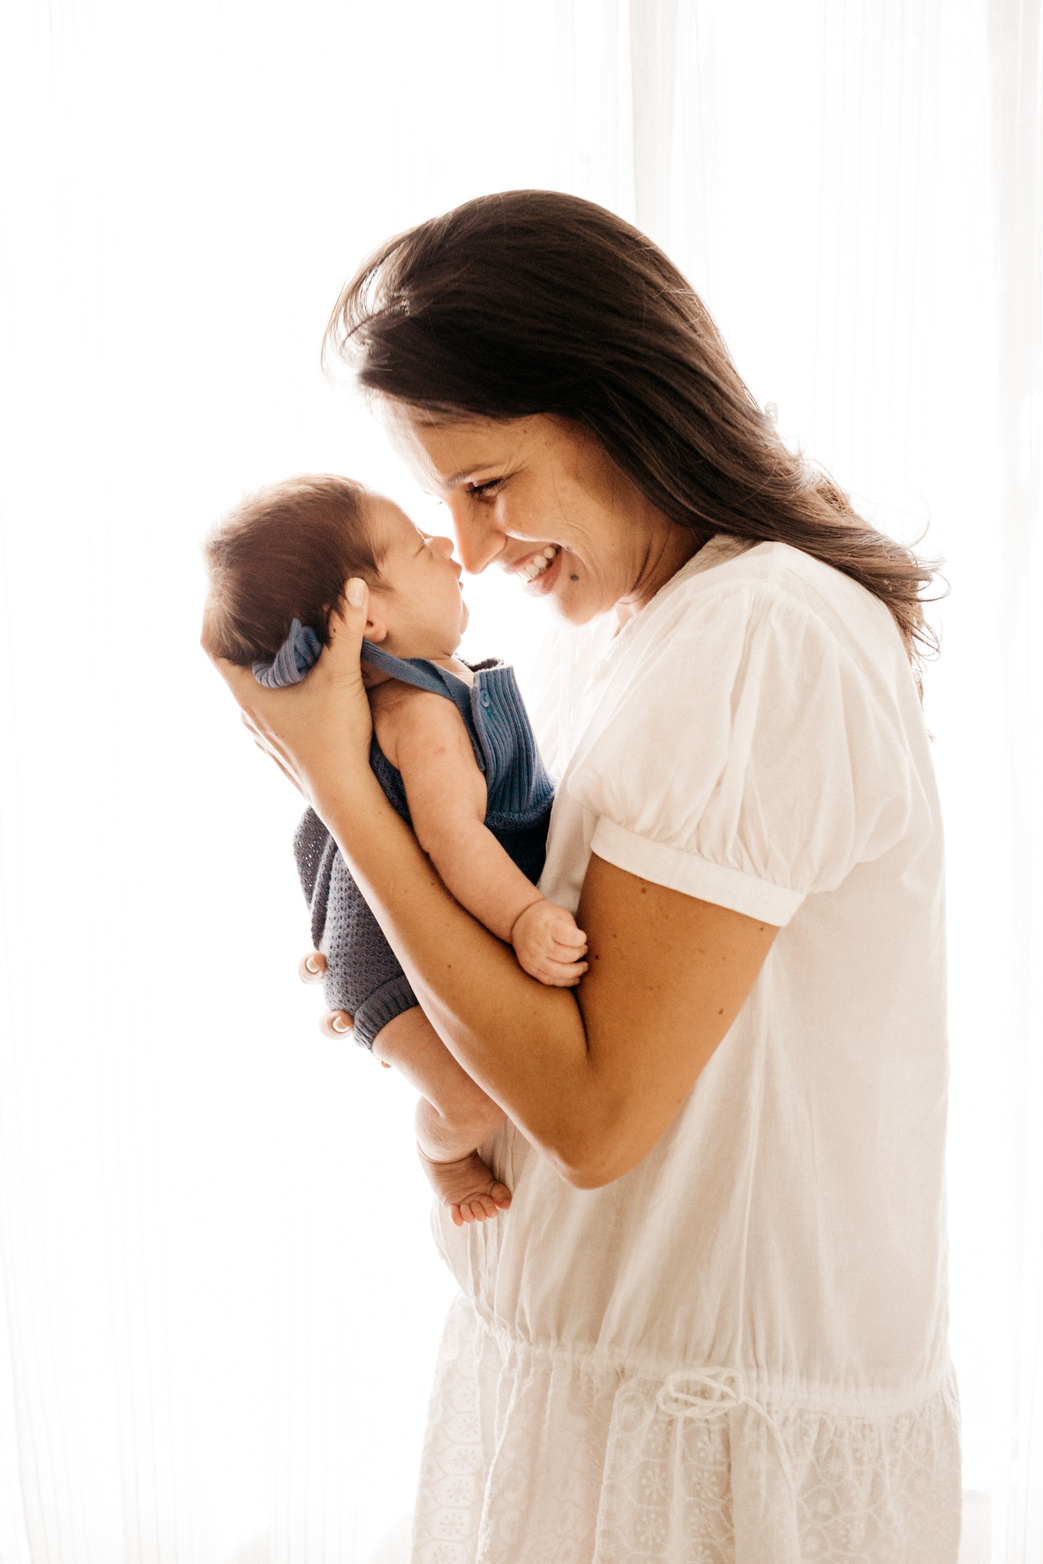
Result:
x=668 y=550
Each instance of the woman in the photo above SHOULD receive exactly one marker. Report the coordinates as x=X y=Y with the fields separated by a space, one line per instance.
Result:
x=713 y=1325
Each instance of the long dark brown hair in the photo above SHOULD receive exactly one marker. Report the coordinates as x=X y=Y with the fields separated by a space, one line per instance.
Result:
x=532 y=301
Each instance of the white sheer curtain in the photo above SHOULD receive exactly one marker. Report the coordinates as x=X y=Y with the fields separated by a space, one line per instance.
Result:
x=219 y=1298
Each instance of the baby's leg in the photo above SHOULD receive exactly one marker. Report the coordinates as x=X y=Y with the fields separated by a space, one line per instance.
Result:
x=453 y=1116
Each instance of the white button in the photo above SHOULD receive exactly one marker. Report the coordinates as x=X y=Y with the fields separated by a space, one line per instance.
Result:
x=600 y=669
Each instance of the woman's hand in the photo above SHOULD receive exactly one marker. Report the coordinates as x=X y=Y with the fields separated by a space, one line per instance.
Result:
x=318 y=731
x=335 y=1023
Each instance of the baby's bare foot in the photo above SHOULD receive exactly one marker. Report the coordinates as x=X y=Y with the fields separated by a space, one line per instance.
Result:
x=467 y=1187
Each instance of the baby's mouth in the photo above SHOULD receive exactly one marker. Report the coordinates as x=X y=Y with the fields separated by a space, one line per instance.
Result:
x=539 y=564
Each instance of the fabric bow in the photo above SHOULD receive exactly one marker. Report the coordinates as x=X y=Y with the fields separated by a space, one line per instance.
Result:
x=299 y=652
x=715 y=1392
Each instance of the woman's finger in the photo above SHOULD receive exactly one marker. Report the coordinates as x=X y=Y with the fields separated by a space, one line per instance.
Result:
x=312 y=967
x=322 y=725
x=347 y=626
x=341 y=656
x=336 y=1023
x=240 y=681
x=266 y=749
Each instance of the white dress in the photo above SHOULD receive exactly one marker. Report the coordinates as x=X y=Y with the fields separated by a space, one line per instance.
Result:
x=735 y=1354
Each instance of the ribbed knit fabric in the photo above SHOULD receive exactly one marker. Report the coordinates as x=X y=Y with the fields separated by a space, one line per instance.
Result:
x=299 y=652
x=363 y=976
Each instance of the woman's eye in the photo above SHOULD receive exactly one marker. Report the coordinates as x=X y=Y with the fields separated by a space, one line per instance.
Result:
x=484 y=488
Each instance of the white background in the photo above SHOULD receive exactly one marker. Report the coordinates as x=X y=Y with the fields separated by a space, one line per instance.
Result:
x=222 y=1299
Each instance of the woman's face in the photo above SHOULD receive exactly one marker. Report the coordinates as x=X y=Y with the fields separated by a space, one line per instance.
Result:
x=542 y=499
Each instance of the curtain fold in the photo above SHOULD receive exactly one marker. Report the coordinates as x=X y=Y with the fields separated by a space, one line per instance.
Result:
x=1016 y=60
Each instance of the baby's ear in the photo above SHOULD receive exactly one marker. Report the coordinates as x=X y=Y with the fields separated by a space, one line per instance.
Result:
x=376 y=625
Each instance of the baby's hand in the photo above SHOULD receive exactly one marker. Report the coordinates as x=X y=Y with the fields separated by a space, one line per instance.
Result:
x=548 y=944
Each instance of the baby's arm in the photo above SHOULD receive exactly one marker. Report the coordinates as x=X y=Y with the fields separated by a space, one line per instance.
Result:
x=425 y=737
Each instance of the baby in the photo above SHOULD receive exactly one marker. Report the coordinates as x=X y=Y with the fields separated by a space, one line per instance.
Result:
x=453 y=750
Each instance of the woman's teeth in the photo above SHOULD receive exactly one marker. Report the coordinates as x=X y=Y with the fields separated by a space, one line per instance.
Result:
x=537 y=566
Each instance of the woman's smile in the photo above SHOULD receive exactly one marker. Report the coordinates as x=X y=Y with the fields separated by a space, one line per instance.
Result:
x=538 y=570
x=542 y=499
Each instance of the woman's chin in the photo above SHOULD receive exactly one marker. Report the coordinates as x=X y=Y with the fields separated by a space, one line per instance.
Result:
x=572 y=608
x=563 y=591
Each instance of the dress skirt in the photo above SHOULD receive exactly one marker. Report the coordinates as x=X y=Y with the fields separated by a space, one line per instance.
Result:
x=547 y=1457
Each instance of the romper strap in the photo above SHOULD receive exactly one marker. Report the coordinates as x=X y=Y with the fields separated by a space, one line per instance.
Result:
x=425 y=675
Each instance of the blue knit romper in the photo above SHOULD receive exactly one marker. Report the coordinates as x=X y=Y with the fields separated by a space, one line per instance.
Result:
x=363 y=976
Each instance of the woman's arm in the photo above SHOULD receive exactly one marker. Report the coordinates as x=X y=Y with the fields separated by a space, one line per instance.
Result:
x=592 y=1076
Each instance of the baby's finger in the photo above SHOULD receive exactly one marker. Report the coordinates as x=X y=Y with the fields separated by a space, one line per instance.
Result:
x=312 y=967
x=572 y=948
x=558 y=975
x=567 y=934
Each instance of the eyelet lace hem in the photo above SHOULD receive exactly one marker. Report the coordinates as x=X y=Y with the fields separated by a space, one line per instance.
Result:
x=533 y=1457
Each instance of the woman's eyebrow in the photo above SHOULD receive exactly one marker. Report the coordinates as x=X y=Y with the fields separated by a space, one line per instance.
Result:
x=466 y=472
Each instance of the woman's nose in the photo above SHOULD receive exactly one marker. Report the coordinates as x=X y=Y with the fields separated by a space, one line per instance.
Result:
x=478 y=539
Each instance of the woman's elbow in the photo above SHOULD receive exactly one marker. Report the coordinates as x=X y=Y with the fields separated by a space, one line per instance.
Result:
x=597 y=1139
x=591 y=1162
x=591 y=1177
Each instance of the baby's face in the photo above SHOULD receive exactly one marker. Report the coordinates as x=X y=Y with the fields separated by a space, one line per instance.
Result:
x=418 y=609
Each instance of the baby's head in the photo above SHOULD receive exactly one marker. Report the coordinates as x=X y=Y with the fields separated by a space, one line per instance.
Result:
x=287 y=553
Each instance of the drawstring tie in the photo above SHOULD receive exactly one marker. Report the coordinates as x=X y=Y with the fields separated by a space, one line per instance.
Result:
x=705 y=1393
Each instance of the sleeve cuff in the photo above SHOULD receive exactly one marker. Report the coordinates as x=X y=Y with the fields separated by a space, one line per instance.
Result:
x=681 y=871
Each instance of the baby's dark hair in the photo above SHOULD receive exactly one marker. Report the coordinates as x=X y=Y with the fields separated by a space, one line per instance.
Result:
x=285 y=553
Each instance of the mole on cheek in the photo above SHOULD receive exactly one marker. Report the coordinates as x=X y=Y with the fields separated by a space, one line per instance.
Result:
x=574 y=578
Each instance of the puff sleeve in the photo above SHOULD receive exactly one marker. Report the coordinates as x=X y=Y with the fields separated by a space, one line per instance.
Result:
x=748 y=758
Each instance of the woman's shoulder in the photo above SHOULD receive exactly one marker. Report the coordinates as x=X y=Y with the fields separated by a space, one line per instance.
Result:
x=735 y=587
x=770 y=572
